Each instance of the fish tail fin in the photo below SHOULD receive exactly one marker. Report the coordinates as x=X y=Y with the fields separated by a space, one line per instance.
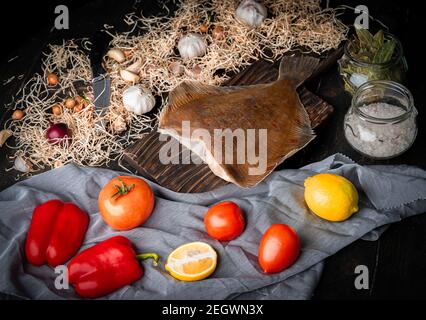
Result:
x=297 y=68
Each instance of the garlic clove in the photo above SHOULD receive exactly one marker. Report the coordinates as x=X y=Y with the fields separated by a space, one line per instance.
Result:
x=58 y=164
x=194 y=72
x=251 y=13
x=176 y=68
x=119 y=125
x=129 y=76
x=192 y=45
x=4 y=135
x=218 y=33
x=149 y=68
x=135 y=67
x=117 y=55
x=22 y=165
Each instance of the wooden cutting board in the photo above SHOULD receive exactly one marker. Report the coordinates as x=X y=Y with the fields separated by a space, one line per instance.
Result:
x=194 y=178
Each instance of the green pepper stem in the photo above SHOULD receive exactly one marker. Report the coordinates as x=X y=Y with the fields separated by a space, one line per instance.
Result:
x=146 y=256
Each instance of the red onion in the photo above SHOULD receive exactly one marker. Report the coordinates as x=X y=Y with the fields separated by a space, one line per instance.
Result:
x=58 y=133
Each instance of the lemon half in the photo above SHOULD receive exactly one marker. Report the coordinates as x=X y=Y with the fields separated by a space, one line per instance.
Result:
x=331 y=197
x=192 y=262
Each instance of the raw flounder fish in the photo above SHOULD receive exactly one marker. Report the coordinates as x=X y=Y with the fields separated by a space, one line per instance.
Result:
x=275 y=107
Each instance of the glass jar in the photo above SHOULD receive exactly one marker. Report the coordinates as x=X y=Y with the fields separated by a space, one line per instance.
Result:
x=355 y=72
x=381 y=122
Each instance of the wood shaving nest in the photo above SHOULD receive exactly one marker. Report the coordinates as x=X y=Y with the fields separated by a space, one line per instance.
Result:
x=97 y=138
x=153 y=40
x=291 y=24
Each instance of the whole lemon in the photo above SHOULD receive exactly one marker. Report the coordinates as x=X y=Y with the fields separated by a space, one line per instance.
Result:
x=331 y=197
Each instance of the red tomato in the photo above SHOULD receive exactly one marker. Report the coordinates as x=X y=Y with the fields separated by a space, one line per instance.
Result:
x=126 y=202
x=279 y=248
x=224 y=221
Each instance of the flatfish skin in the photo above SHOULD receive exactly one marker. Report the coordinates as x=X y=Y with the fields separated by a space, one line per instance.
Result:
x=274 y=108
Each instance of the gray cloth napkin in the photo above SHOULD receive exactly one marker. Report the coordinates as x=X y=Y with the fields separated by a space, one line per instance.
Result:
x=387 y=195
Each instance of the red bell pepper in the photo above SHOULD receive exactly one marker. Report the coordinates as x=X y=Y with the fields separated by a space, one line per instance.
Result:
x=106 y=267
x=56 y=233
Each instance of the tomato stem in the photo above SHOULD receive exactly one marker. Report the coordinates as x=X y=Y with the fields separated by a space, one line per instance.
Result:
x=122 y=189
x=146 y=256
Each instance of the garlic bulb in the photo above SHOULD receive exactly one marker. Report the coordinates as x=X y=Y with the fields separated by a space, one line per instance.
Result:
x=138 y=100
x=129 y=76
x=251 y=13
x=117 y=55
x=191 y=46
x=22 y=165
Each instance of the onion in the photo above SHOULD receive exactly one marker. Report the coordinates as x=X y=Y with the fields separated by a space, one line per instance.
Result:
x=18 y=115
x=204 y=28
x=52 y=79
x=70 y=103
x=78 y=108
x=57 y=110
x=78 y=99
x=83 y=102
x=58 y=133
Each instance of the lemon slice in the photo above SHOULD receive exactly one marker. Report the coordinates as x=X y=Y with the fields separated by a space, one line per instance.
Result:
x=192 y=262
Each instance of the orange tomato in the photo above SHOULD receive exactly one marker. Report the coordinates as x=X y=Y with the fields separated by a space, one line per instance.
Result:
x=279 y=248
x=224 y=221
x=126 y=202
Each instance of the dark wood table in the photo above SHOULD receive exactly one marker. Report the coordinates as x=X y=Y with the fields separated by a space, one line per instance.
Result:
x=397 y=262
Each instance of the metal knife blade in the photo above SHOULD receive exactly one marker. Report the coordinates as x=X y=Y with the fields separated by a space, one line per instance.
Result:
x=101 y=91
x=101 y=82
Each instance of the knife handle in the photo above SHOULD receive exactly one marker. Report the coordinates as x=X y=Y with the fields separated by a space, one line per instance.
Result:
x=100 y=42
